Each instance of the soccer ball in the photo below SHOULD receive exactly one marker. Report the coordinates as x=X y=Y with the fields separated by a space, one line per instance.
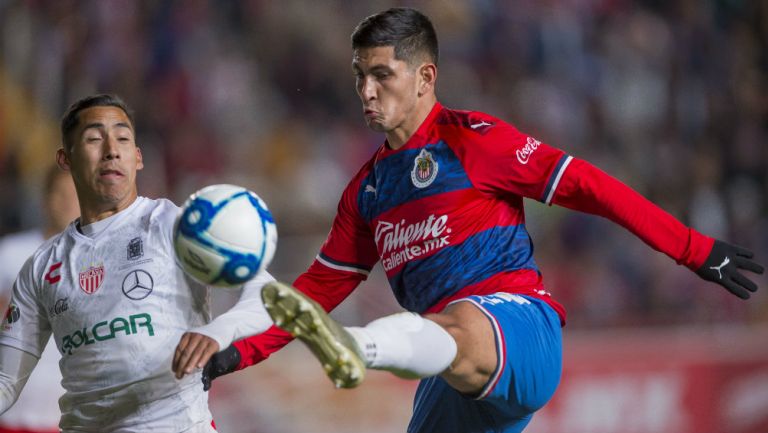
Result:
x=224 y=236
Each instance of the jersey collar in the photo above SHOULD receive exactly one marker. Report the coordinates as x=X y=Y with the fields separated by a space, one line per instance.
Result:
x=420 y=137
x=93 y=230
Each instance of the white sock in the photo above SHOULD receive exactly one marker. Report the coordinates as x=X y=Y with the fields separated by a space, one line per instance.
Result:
x=406 y=344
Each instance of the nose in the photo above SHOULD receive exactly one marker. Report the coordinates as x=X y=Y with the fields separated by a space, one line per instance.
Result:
x=111 y=150
x=367 y=89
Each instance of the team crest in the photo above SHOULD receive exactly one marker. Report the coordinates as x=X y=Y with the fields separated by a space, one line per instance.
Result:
x=91 y=279
x=424 y=169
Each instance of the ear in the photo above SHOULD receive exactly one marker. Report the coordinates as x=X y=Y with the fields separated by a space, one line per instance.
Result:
x=63 y=160
x=139 y=159
x=427 y=78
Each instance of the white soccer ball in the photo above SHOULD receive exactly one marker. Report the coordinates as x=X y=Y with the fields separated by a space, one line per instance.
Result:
x=224 y=236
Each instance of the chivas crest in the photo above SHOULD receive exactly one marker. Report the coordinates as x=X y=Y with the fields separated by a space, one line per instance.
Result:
x=91 y=279
x=424 y=169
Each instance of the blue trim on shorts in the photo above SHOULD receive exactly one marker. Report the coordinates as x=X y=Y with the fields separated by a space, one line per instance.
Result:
x=530 y=371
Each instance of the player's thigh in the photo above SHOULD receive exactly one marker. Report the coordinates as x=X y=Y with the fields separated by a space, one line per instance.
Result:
x=476 y=347
x=528 y=347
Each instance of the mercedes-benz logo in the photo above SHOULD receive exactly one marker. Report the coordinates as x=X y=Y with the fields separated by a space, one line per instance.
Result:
x=138 y=284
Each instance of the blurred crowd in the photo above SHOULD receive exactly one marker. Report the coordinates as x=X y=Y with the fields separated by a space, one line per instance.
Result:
x=671 y=97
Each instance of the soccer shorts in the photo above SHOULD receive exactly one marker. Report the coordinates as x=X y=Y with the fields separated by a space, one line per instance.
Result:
x=529 y=353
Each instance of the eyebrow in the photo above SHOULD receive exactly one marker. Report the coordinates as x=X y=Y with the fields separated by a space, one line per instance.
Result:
x=101 y=125
x=373 y=69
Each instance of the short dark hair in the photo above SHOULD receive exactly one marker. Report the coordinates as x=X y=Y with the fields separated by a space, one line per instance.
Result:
x=71 y=117
x=407 y=30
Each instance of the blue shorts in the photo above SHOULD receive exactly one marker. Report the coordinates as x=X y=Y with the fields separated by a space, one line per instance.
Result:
x=529 y=353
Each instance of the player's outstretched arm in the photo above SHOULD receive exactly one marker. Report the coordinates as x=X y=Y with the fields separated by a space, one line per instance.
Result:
x=246 y=318
x=586 y=188
x=724 y=264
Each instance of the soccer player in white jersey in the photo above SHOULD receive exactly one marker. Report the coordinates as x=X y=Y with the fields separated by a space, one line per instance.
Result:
x=37 y=409
x=128 y=304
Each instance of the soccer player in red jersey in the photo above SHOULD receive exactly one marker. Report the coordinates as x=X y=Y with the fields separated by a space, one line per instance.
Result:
x=440 y=204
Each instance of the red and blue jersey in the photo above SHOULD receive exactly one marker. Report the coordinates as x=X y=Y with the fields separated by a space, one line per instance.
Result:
x=444 y=216
x=444 y=213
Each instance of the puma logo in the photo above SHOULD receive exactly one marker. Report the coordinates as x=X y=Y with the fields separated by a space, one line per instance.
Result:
x=481 y=124
x=717 y=268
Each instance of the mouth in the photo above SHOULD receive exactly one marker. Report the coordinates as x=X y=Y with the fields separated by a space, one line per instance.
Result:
x=370 y=114
x=110 y=173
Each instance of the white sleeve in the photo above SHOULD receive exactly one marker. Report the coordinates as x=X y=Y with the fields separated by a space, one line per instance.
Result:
x=15 y=367
x=247 y=317
x=25 y=325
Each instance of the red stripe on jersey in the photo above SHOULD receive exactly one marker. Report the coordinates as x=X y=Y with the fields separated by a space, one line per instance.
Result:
x=523 y=282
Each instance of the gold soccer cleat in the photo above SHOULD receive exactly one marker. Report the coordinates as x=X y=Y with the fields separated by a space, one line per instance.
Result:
x=306 y=320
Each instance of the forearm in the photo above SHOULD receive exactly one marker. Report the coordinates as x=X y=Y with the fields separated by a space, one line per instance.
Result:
x=586 y=188
x=15 y=368
x=324 y=285
x=247 y=317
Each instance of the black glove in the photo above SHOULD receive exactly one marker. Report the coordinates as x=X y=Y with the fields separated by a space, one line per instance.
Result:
x=221 y=363
x=722 y=267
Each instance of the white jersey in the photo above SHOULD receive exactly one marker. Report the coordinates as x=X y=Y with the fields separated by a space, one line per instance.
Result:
x=117 y=304
x=38 y=405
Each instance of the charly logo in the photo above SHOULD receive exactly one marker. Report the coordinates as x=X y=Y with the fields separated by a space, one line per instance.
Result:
x=61 y=305
x=135 y=249
x=53 y=275
x=107 y=330
x=12 y=314
x=524 y=154
x=138 y=284
x=424 y=169
x=91 y=279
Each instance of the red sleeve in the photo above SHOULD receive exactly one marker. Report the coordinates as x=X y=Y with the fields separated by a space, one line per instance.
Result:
x=501 y=160
x=327 y=286
x=345 y=259
x=586 y=188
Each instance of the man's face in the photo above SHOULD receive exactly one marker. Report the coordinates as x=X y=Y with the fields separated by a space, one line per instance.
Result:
x=388 y=88
x=104 y=158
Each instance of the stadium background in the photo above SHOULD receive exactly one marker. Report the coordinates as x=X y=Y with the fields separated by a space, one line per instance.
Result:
x=669 y=96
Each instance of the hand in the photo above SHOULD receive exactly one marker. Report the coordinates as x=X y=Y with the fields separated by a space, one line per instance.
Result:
x=193 y=351
x=722 y=267
x=221 y=363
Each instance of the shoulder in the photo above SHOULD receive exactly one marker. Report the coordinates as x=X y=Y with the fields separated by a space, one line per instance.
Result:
x=465 y=126
x=34 y=264
x=159 y=212
x=475 y=134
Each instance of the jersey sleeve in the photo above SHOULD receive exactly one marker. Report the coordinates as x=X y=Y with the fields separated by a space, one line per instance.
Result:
x=15 y=367
x=502 y=160
x=25 y=325
x=586 y=188
x=345 y=260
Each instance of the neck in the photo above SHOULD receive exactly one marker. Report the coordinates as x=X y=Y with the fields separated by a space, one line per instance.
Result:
x=89 y=214
x=400 y=135
x=51 y=230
